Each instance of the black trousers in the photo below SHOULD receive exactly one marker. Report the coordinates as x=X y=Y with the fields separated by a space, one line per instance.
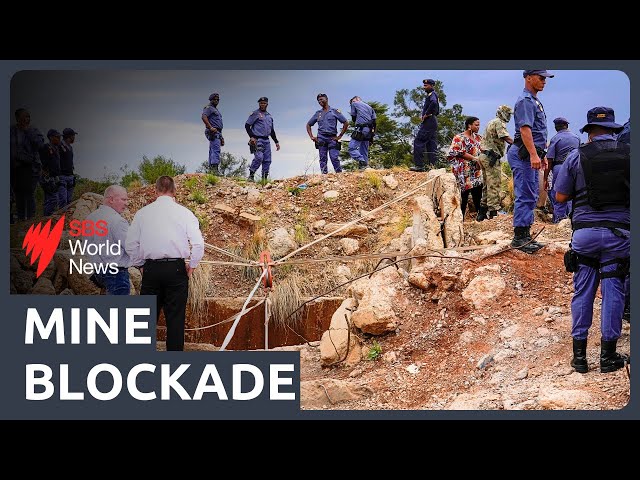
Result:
x=476 y=196
x=170 y=283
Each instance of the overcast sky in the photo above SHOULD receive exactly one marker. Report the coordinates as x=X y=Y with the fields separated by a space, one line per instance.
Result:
x=125 y=114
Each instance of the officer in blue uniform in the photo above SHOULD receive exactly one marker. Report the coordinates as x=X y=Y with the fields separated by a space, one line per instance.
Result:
x=259 y=126
x=364 y=118
x=328 y=140
x=625 y=137
x=561 y=145
x=212 y=119
x=26 y=167
x=596 y=177
x=426 y=138
x=527 y=156
x=55 y=194
x=67 y=178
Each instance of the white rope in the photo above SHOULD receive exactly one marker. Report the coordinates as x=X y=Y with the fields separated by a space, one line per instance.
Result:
x=224 y=252
x=232 y=330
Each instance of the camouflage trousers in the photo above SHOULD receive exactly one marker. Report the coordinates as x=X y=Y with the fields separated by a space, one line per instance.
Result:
x=491 y=186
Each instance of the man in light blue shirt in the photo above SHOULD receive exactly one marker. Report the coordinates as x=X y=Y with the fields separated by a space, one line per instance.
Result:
x=111 y=253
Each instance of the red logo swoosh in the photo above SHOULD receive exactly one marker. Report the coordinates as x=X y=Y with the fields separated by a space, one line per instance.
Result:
x=42 y=243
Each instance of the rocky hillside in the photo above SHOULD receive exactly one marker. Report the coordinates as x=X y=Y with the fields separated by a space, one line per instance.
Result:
x=488 y=328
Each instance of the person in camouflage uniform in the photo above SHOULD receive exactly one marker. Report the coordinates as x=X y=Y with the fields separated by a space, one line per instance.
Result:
x=493 y=149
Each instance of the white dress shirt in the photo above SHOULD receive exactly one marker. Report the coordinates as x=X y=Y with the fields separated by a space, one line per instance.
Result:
x=164 y=229
x=117 y=232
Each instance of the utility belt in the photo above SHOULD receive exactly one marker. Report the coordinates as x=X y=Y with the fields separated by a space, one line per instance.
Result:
x=492 y=156
x=326 y=143
x=254 y=147
x=212 y=136
x=613 y=226
x=358 y=133
x=523 y=153
x=573 y=259
x=50 y=184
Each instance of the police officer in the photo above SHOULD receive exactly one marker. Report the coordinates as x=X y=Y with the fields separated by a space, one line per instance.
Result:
x=596 y=177
x=26 y=167
x=426 y=138
x=493 y=149
x=561 y=145
x=161 y=236
x=212 y=118
x=528 y=157
x=328 y=140
x=364 y=118
x=55 y=194
x=625 y=137
x=259 y=126
x=67 y=178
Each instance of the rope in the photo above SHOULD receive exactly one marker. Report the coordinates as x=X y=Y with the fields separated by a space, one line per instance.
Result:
x=232 y=330
x=229 y=254
x=356 y=220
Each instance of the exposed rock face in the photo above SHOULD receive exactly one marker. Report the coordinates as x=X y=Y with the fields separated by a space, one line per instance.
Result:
x=319 y=393
x=86 y=204
x=281 y=242
x=337 y=343
x=483 y=289
x=448 y=201
x=349 y=245
x=375 y=313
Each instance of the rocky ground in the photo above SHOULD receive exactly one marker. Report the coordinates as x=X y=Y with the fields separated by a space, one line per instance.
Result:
x=490 y=330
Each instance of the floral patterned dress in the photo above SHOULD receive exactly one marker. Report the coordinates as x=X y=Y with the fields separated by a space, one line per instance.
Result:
x=467 y=172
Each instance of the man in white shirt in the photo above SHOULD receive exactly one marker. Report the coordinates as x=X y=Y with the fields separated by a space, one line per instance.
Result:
x=111 y=253
x=159 y=239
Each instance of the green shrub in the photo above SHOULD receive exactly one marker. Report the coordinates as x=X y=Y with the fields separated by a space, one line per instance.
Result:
x=211 y=179
x=301 y=233
x=191 y=183
x=198 y=197
x=150 y=170
x=375 y=351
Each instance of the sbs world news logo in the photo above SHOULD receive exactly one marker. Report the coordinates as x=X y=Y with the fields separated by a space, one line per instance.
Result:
x=41 y=242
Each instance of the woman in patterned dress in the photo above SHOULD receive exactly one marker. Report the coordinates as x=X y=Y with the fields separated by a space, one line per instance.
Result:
x=463 y=155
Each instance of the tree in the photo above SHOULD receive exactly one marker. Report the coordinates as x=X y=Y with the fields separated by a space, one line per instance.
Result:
x=408 y=106
x=230 y=166
x=389 y=148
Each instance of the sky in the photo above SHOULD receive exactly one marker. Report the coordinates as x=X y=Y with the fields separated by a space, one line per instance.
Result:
x=121 y=115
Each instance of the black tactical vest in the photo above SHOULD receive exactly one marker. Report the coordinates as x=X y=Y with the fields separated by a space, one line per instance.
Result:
x=606 y=167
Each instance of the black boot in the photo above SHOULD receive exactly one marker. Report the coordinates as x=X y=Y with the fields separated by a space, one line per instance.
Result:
x=579 y=361
x=417 y=168
x=482 y=214
x=520 y=238
x=265 y=177
x=610 y=360
x=491 y=214
x=627 y=313
x=536 y=245
x=250 y=177
x=214 y=169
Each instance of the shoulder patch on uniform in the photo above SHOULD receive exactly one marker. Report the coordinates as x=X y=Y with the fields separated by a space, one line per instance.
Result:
x=338 y=110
